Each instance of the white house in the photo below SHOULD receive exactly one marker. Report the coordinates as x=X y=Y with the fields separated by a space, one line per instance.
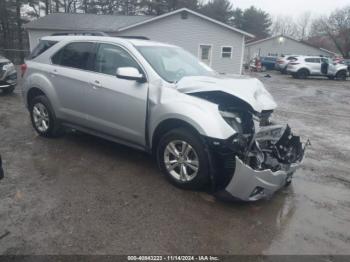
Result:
x=282 y=45
x=219 y=45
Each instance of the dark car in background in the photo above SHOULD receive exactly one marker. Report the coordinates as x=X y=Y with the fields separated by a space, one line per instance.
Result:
x=8 y=75
x=268 y=63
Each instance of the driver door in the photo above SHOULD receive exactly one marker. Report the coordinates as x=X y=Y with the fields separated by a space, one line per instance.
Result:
x=117 y=106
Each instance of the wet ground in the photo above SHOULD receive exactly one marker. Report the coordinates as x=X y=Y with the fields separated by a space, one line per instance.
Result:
x=83 y=195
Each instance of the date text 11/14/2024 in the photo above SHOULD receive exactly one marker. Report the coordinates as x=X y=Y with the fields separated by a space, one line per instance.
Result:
x=173 y=258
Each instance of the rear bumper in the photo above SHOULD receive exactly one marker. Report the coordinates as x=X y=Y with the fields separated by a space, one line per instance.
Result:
x=291 y=70
x=248 y=184
x=280 y=67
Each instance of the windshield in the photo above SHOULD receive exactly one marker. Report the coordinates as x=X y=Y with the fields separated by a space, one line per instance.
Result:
x=173 y=63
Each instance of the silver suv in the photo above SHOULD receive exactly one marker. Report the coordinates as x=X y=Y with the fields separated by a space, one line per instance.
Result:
x=203 y=129
x=304 y=66
x=283 y=61
x=8 y=76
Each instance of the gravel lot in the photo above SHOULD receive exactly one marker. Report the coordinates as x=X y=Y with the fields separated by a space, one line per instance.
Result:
x=83 y=195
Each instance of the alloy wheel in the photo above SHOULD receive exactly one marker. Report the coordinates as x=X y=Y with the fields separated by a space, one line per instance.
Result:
x=181 y=160
x=41 y=117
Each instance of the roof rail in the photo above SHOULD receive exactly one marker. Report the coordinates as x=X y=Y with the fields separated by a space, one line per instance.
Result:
x=90 y=33
x=134 y=37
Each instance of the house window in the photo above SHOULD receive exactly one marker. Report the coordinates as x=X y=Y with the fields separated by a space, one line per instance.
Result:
x=226 y=52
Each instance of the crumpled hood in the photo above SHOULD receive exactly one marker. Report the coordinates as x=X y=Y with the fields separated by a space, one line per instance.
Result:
x=250 y=90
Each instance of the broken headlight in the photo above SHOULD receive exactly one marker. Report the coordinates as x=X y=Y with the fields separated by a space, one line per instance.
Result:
x=233 y=120
x=8 y=66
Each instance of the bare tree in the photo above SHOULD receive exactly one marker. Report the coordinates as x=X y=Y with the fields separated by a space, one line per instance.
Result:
x=336 y=27
x=303 y=24
x=285 y=25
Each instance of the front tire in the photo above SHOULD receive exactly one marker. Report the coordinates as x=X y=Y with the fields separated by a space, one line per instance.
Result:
x=302 y=74
x=43 y=117
x=341 y=76
x=182 y=158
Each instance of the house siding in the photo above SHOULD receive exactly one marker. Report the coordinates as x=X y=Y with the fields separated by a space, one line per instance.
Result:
x=190 y=33
x=273 y=46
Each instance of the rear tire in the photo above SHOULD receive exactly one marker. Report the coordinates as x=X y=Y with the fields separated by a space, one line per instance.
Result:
x=8 y=90
x=182 y=158
x=302 y=74
x=43 y=117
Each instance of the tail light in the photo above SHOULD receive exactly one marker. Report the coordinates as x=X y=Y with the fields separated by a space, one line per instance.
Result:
x=23 y=69
x=279 y=62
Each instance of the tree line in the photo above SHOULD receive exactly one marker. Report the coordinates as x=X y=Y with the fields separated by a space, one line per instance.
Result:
x=331 y=31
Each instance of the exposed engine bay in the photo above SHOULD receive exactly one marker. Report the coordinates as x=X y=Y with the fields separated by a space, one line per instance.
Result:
x=258 y=144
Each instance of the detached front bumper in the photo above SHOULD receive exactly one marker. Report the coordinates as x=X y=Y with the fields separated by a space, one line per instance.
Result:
x=248 y=184
x=267 y=164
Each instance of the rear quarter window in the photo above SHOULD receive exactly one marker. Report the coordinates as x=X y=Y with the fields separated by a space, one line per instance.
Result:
x=43 y=46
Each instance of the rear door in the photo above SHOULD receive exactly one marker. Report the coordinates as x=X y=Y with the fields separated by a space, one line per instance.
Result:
x=314 y=64
x=73 y=76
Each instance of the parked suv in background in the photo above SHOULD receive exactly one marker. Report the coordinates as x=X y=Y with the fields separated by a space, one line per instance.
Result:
x=8 y=75
x=305 y=66
x=203 y=128
x=283 y=61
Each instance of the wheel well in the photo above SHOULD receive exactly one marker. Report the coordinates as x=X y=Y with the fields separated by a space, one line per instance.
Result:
x=32 y=93
x=341 y=71
x=166 y=126
x=304 y=69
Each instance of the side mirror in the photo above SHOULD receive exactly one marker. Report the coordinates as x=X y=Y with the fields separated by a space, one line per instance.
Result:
x=130 y=73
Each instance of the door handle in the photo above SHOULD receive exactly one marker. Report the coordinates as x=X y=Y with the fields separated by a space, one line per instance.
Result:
x=96 y=84
x=54 y=73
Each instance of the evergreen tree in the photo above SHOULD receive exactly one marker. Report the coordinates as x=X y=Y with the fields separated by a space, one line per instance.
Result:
x=256 y=22
x=221 y=10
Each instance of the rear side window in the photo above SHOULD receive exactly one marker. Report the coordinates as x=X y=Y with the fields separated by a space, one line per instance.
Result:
x=41 y=48
x=312 y=60
x=78 y=55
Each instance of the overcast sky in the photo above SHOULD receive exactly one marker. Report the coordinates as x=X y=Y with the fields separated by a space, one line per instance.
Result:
x=292 y=7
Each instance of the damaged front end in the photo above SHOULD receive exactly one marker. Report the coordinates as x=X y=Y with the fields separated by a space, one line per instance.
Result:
x=264 y=161
x=267 y=164
x=259 y=159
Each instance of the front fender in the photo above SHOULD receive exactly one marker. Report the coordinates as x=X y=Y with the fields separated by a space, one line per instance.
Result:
x=200 y=114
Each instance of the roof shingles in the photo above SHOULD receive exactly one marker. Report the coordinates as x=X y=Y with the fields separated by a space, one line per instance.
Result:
x=103 y=23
